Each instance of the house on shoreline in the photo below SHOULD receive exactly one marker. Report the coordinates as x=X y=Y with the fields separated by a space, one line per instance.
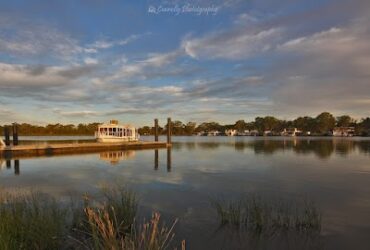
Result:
x=231 y=132
x=213 y=133
x=344 y=131
x=209 y=133
x=291 y=132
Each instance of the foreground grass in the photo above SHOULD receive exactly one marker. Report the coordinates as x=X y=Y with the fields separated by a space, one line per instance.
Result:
x=36 y=221
x=31 y=221
x=262 y=216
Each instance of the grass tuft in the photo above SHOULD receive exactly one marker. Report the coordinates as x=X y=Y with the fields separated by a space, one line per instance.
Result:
x=36 y=221
x=31 y=221
x=257 y=215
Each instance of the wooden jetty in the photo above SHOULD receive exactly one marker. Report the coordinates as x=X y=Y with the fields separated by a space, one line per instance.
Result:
x=74 y=148
x=33 y=150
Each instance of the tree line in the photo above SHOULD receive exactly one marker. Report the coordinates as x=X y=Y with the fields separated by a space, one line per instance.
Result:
x=319 y=125
x=54 y=129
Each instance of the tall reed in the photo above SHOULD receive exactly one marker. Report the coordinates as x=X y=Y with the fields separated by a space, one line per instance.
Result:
x=36 y=221
x=257 y=215
x=31 y=221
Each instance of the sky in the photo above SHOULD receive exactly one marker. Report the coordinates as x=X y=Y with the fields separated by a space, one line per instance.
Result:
x=196 y=60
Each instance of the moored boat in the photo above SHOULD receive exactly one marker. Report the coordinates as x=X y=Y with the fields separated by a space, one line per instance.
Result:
x=115 y=132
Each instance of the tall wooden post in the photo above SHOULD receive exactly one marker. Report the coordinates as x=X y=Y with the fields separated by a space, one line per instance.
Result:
x=155 y=129
x=7 y=135
x=15 y=134
x=169 y=128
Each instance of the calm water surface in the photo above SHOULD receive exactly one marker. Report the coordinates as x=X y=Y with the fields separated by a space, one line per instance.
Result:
x=333 y=172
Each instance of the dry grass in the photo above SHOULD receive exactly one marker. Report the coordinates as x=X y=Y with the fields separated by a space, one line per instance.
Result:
x=36 y=221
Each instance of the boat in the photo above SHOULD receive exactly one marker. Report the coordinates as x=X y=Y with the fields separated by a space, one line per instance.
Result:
x=115 y=132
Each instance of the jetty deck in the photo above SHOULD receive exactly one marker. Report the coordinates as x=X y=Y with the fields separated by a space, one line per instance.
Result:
x=75 y=148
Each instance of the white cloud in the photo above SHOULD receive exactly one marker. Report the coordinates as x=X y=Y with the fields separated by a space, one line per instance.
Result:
x=141 y=68
x=233 y=45
x=18 y=75
x=106 y=44
x=24 y=38
x=82 y=113
x=89 y=60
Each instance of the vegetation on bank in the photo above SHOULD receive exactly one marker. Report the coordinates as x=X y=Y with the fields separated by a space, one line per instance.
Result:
x=319 y=125
x=257 y=215
x=36 y=221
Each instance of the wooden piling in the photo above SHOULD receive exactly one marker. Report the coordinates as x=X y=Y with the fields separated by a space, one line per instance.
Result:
x=169 y=128
x=7 y=135
x=15 y=134
x=155 y=129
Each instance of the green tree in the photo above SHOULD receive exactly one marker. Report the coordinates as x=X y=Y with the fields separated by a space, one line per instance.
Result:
x=363 y=128
x=146 y=130
x=305 y=123
x=177 y=128
x=189 y=128
x=267 y=123
x=240 y=125
x=344 y=121
x=325 y=122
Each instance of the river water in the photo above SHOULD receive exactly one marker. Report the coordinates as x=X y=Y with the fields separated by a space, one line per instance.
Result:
x=332 y=172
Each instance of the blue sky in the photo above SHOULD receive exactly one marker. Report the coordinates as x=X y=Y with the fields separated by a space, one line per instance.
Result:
x=94 y=60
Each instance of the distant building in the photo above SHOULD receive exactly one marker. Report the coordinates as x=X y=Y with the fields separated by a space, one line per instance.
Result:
x=344 y=131
x=267 y=132
x=243 y=133
x=291 y=132
x=213 y=133
x=231 y=132
x=253 y=132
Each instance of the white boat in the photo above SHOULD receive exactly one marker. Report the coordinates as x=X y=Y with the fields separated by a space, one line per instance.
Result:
x=114 y=132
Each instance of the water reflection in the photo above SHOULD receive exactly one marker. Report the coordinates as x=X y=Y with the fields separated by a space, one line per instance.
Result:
x=16 y=167
x=322 y=148
x=169 y=159
x=178 y=182
x=114 y=157
x=156 y=159
x=8 y=165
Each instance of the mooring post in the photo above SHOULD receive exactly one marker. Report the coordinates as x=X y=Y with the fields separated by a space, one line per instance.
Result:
x=15 y=134
x=7 y=135
x=169 y=131
x=155 y=129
